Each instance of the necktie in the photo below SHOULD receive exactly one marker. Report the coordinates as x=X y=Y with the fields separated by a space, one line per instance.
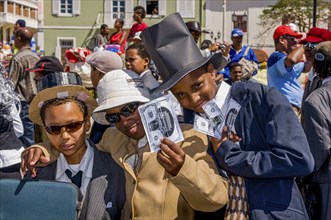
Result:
x=77 y=179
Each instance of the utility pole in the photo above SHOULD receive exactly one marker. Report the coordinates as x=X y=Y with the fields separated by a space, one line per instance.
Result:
x=314 y=13
x=224 y=20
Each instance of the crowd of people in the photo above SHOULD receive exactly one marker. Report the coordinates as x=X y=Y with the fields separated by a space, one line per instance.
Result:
x=273 y=163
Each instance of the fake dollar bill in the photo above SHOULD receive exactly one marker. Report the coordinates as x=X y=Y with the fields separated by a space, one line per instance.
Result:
x=159 y=120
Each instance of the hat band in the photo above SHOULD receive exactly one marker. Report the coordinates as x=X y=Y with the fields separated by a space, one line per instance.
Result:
x=56 y=79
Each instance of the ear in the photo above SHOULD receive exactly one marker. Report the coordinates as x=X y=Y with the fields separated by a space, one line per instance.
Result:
x=87 y=124
x=146 y=62
x=211 y=70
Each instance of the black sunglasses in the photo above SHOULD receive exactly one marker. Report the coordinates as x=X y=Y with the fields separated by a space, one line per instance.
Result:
x=310 y=45
x=56 y=129
x=126 y=111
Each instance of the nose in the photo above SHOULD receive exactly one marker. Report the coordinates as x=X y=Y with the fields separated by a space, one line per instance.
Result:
x=64 y=133
x=194 y=98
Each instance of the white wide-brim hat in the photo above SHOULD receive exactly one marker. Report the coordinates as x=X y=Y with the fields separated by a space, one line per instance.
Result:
x=116 y=88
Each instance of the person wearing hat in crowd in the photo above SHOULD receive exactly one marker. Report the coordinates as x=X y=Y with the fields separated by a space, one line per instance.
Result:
x=237 y=51
x=168 y=184
x=63 y=107
x=46 y=65
x=139 y=13
x=20 y=23
x=317 y=124
x=136 y=39
x=285 y=65
x=11 y=129
x=195 y=29
x=267 y=147
x=23 y=79
x=101 y=62
x=314 y=36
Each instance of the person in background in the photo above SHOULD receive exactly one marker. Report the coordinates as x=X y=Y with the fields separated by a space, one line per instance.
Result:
x=20 y=23
x=139 y=14
x=138 y=60
x=238 y=51
x=46 y=65
x=102 y=37
x=119 y=37
x=317 y=124
x=314 y=36
x=11 y=128
x=23 y=79
x=285 y=66
x=136 y=39
x=236 y=74
x=66 y=119
x=264 y=151
x=101 y=62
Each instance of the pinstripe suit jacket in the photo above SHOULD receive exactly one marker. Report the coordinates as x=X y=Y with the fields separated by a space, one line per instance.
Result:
x=106 y=188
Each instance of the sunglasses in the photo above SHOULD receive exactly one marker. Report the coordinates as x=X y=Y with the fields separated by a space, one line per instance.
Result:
x=310 y=45
x=57 y=129
x=126 y=111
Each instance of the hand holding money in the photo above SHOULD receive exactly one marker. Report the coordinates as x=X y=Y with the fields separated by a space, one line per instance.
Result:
x=171 y=157
x=226 y=135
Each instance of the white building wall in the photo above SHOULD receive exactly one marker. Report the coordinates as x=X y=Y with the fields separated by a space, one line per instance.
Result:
x=215 y=20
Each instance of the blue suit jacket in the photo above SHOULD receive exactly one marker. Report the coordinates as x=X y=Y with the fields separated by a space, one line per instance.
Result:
x=273 y=151
x=107 y=186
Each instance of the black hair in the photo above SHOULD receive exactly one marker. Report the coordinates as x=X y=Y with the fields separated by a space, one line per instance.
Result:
x=234 y=65
x=103 y=26
x=59 y=101
x=141 y=49
x=205 y=44
x=141 y=10
x=121 y=21
x=322 y=68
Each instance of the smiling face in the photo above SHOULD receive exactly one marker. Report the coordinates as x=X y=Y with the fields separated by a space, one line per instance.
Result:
x=196 y=88
x=71 y=144
x=131 y=125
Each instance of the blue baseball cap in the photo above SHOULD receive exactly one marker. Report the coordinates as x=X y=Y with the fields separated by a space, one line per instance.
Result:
x=237 y=32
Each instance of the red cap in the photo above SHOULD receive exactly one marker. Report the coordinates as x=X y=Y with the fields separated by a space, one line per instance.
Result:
x=317 y=35
x=285 y=30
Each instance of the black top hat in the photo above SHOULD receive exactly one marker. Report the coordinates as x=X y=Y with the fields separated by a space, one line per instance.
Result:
x=195 y=26
x=174 y=51
x=47 y=64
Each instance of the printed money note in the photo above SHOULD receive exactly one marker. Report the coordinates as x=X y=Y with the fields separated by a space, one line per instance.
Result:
x=159 y=120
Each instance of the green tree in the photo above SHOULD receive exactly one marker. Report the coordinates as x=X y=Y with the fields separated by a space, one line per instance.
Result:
x=299 y=12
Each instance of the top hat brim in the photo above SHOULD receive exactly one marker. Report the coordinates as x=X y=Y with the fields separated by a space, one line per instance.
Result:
x=215 y=59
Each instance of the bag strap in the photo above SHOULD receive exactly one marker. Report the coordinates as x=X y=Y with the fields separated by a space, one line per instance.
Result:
x=246 y=51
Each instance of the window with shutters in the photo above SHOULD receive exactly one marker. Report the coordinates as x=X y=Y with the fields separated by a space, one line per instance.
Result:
x=119 y=9
x=66 y=7
x=186 y=8
x=154 y=8
x=63 y=44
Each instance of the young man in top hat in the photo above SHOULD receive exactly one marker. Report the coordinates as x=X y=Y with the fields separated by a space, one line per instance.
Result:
x=267 y=147
x=285 y=65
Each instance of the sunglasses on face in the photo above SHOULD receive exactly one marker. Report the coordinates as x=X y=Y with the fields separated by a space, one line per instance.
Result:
x=310 y=45
x=126 y=111
x=57 y=129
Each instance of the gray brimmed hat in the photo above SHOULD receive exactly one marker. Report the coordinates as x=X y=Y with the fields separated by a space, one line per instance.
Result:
x=174 y=51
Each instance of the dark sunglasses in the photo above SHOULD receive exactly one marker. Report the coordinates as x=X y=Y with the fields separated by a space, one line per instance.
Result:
x=56 y=129
x=126 y=111
x=310 y=45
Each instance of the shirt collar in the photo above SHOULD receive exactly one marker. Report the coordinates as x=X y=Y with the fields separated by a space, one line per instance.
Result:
x=84 y=165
